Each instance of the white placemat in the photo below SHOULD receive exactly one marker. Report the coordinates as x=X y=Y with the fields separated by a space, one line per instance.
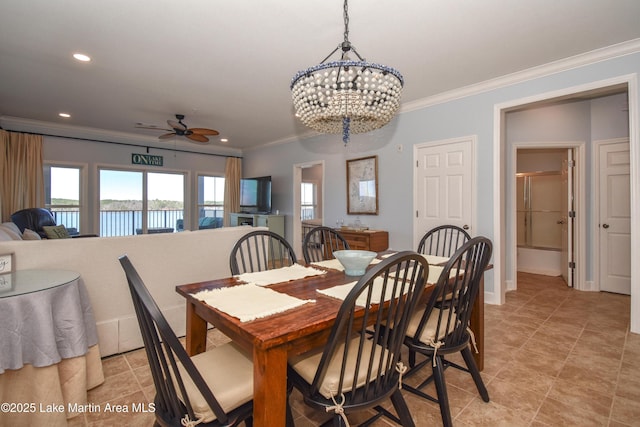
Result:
x=341 y=292
x=278 y=275
x=249 y=302
x=434 y=273
x=433 y=259
x=336 y=265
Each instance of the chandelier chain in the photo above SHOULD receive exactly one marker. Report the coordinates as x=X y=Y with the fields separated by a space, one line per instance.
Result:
x=346 y=21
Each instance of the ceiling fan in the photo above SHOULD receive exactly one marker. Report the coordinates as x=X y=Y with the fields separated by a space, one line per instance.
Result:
x=180 y=129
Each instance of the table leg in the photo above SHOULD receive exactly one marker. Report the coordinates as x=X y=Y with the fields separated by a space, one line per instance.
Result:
x=477 y=325
x=196 y=332
x=269 y=387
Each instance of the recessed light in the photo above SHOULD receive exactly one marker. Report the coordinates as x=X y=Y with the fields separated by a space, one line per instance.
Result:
x=81 y=57
x=65 y=115
x=224 y=140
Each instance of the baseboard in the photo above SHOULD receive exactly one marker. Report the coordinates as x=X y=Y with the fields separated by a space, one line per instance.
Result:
x=123 y=334
x=589 y=286
x=553 y=273
x=491 y=298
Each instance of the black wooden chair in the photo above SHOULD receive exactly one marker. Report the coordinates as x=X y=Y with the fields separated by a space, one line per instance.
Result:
x=214 y=388
x=442 y=327
x=320 y=242
x=260 y=250
x=360 y=365
x=443 y=240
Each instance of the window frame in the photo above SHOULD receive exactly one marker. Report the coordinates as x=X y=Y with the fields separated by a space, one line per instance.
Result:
x=84 y=214
x=197 y=205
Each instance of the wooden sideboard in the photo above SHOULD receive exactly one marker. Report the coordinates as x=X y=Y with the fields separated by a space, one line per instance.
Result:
x=368 y=240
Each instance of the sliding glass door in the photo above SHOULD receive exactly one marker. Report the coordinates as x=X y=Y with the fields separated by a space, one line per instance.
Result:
x=140 y=202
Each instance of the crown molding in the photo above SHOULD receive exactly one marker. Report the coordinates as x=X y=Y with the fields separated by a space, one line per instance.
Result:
x=615 y=51
x=19 y=124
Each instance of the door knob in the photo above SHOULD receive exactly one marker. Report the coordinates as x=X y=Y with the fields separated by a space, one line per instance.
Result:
x=560 y=222
x=465 y=227
x=605 y=225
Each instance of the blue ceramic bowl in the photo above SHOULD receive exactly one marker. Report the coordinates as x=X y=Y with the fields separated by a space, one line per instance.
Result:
x=355 y=262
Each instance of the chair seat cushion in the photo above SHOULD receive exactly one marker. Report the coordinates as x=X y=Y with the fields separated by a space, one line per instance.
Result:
x=228 y=371
x=429 y=332
x=306 y=366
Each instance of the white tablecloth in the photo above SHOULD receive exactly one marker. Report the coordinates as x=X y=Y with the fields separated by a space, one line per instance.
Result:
x=49 y=354
x=41 y=328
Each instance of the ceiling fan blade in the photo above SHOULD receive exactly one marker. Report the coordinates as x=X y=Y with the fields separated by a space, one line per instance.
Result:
x=198 y=138
x=167 y=135
x=204 y=131
x=177 y=125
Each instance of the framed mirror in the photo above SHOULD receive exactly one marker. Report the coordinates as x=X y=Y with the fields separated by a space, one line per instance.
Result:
x=362 y=186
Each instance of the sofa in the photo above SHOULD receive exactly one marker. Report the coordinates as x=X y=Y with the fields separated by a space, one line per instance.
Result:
x=34 y=224
x=163 y=260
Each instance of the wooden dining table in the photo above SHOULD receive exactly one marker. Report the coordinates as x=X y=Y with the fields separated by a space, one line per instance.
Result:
x=273 y=339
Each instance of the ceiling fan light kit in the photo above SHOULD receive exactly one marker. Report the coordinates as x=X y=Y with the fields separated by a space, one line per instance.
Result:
x=346 y=96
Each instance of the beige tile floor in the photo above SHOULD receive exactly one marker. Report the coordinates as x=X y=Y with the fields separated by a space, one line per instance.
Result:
x=554 y=357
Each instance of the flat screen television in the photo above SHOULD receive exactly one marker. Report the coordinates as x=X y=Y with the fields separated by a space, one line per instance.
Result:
x=255 y=195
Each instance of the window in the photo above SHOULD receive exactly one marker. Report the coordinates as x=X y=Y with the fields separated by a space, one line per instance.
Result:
x=62 y=195
x=137 y=202
x=210 y=205
x=308 y=201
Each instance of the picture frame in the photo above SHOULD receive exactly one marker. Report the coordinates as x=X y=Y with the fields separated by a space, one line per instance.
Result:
x=362 y=186
x=6 y=263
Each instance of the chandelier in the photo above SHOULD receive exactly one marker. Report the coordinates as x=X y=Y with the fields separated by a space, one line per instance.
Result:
x=348 y=96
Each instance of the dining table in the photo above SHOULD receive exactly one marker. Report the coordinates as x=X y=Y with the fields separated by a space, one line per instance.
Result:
x=274 y=338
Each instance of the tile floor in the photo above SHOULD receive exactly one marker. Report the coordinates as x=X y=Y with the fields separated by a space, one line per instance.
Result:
x=555 y=357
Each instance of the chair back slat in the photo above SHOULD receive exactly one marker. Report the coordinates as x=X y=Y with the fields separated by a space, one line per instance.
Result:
x=164 y=353
x=369 y=331
x=260 y=250
x=443 y=240
x=452 y=300
x=320 y=243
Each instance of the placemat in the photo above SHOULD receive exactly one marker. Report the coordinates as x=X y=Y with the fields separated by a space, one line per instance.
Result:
x=436 y=260
x=431 y=259
x=279 y=275
x=341 y=291
x=249 y=302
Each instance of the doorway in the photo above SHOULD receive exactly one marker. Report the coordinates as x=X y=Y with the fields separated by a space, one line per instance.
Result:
x=308 y=200
x=545 y=211
x=504 y=265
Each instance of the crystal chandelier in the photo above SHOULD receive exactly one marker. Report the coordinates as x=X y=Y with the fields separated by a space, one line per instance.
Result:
x=346 y=96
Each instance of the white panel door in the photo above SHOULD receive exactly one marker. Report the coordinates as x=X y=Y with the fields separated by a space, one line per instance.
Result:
x=444 y=185
x=615 y=214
